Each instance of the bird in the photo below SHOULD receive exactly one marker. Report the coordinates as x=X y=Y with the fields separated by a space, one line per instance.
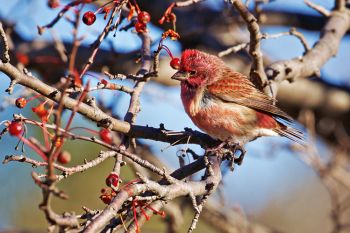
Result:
x=225 y=104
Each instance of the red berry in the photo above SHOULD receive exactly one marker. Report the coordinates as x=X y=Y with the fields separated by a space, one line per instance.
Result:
x=144 y=17
x=15 y=128
x=22 y=58
x=140 y=27
x=53 y=3
x=175 y=63
x=112 y=180
x=104 y=82
x=21 y=102
x=64 y=157
x=106 y=136
x=89 y=17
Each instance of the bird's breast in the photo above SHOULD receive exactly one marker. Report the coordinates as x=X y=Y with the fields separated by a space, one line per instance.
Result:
x=220 y=120
x=193 y=99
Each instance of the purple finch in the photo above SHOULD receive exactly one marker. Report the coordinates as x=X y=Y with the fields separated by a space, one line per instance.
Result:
x=225 y=104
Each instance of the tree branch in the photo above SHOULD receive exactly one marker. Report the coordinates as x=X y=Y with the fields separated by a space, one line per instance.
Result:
x=311 y=63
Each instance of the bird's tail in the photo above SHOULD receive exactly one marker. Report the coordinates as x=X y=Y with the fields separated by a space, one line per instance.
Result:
x=292 y=134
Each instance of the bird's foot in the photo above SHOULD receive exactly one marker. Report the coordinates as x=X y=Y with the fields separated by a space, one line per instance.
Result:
x=230 y=150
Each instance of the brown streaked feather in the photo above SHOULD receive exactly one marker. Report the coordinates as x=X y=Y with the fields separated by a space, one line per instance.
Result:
x=237 y=88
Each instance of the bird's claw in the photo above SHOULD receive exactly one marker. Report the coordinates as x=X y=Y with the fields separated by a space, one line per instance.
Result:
x=228 y=151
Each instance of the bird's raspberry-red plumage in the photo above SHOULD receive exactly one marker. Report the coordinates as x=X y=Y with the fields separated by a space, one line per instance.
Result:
x=225 y=104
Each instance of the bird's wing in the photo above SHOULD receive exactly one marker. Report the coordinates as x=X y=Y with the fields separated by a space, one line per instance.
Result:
x=236 y=88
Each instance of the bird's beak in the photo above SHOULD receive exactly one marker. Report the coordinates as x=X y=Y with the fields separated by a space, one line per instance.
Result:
x=180 y=75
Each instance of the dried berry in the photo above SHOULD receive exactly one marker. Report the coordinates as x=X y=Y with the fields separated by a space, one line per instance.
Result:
x=41 y=111
x=21 y=102
x=107 y=194
x=89 y=17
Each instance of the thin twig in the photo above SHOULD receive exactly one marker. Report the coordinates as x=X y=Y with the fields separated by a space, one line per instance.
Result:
x=320 y=9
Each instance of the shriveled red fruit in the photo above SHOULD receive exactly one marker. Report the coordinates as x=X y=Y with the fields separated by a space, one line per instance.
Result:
x=175 y=63
x=89 y=17
x=107 y=195
x=106 y=136
x=140 y=27
x=112 y=180
x=21 y=102
x=40 y=111
x=64 y=157
x=144 y=17
x=106 y=199
x=15 y=128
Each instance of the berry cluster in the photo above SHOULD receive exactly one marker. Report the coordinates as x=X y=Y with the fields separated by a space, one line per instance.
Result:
x=89 y=17
x=143 y=18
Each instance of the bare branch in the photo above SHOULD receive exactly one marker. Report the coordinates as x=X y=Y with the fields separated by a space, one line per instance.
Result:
x=257 y=72
x=187 y=3
x=323 y=11
x=5 y=57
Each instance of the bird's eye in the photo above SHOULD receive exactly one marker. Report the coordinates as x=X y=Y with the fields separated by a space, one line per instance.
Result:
x=192 y=72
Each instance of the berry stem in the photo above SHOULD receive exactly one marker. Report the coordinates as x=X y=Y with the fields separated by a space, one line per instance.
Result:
x=137 y=7
x=45 y=131
x=101 y=7
x=75 y=109
x=144 y=214
x=83 y=128
x=135 y=216
x=34 y=97
x=161 y=213
x=33 y=147
x=167 y=50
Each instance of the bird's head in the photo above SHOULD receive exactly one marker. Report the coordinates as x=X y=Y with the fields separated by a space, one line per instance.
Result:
x=197 y=68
